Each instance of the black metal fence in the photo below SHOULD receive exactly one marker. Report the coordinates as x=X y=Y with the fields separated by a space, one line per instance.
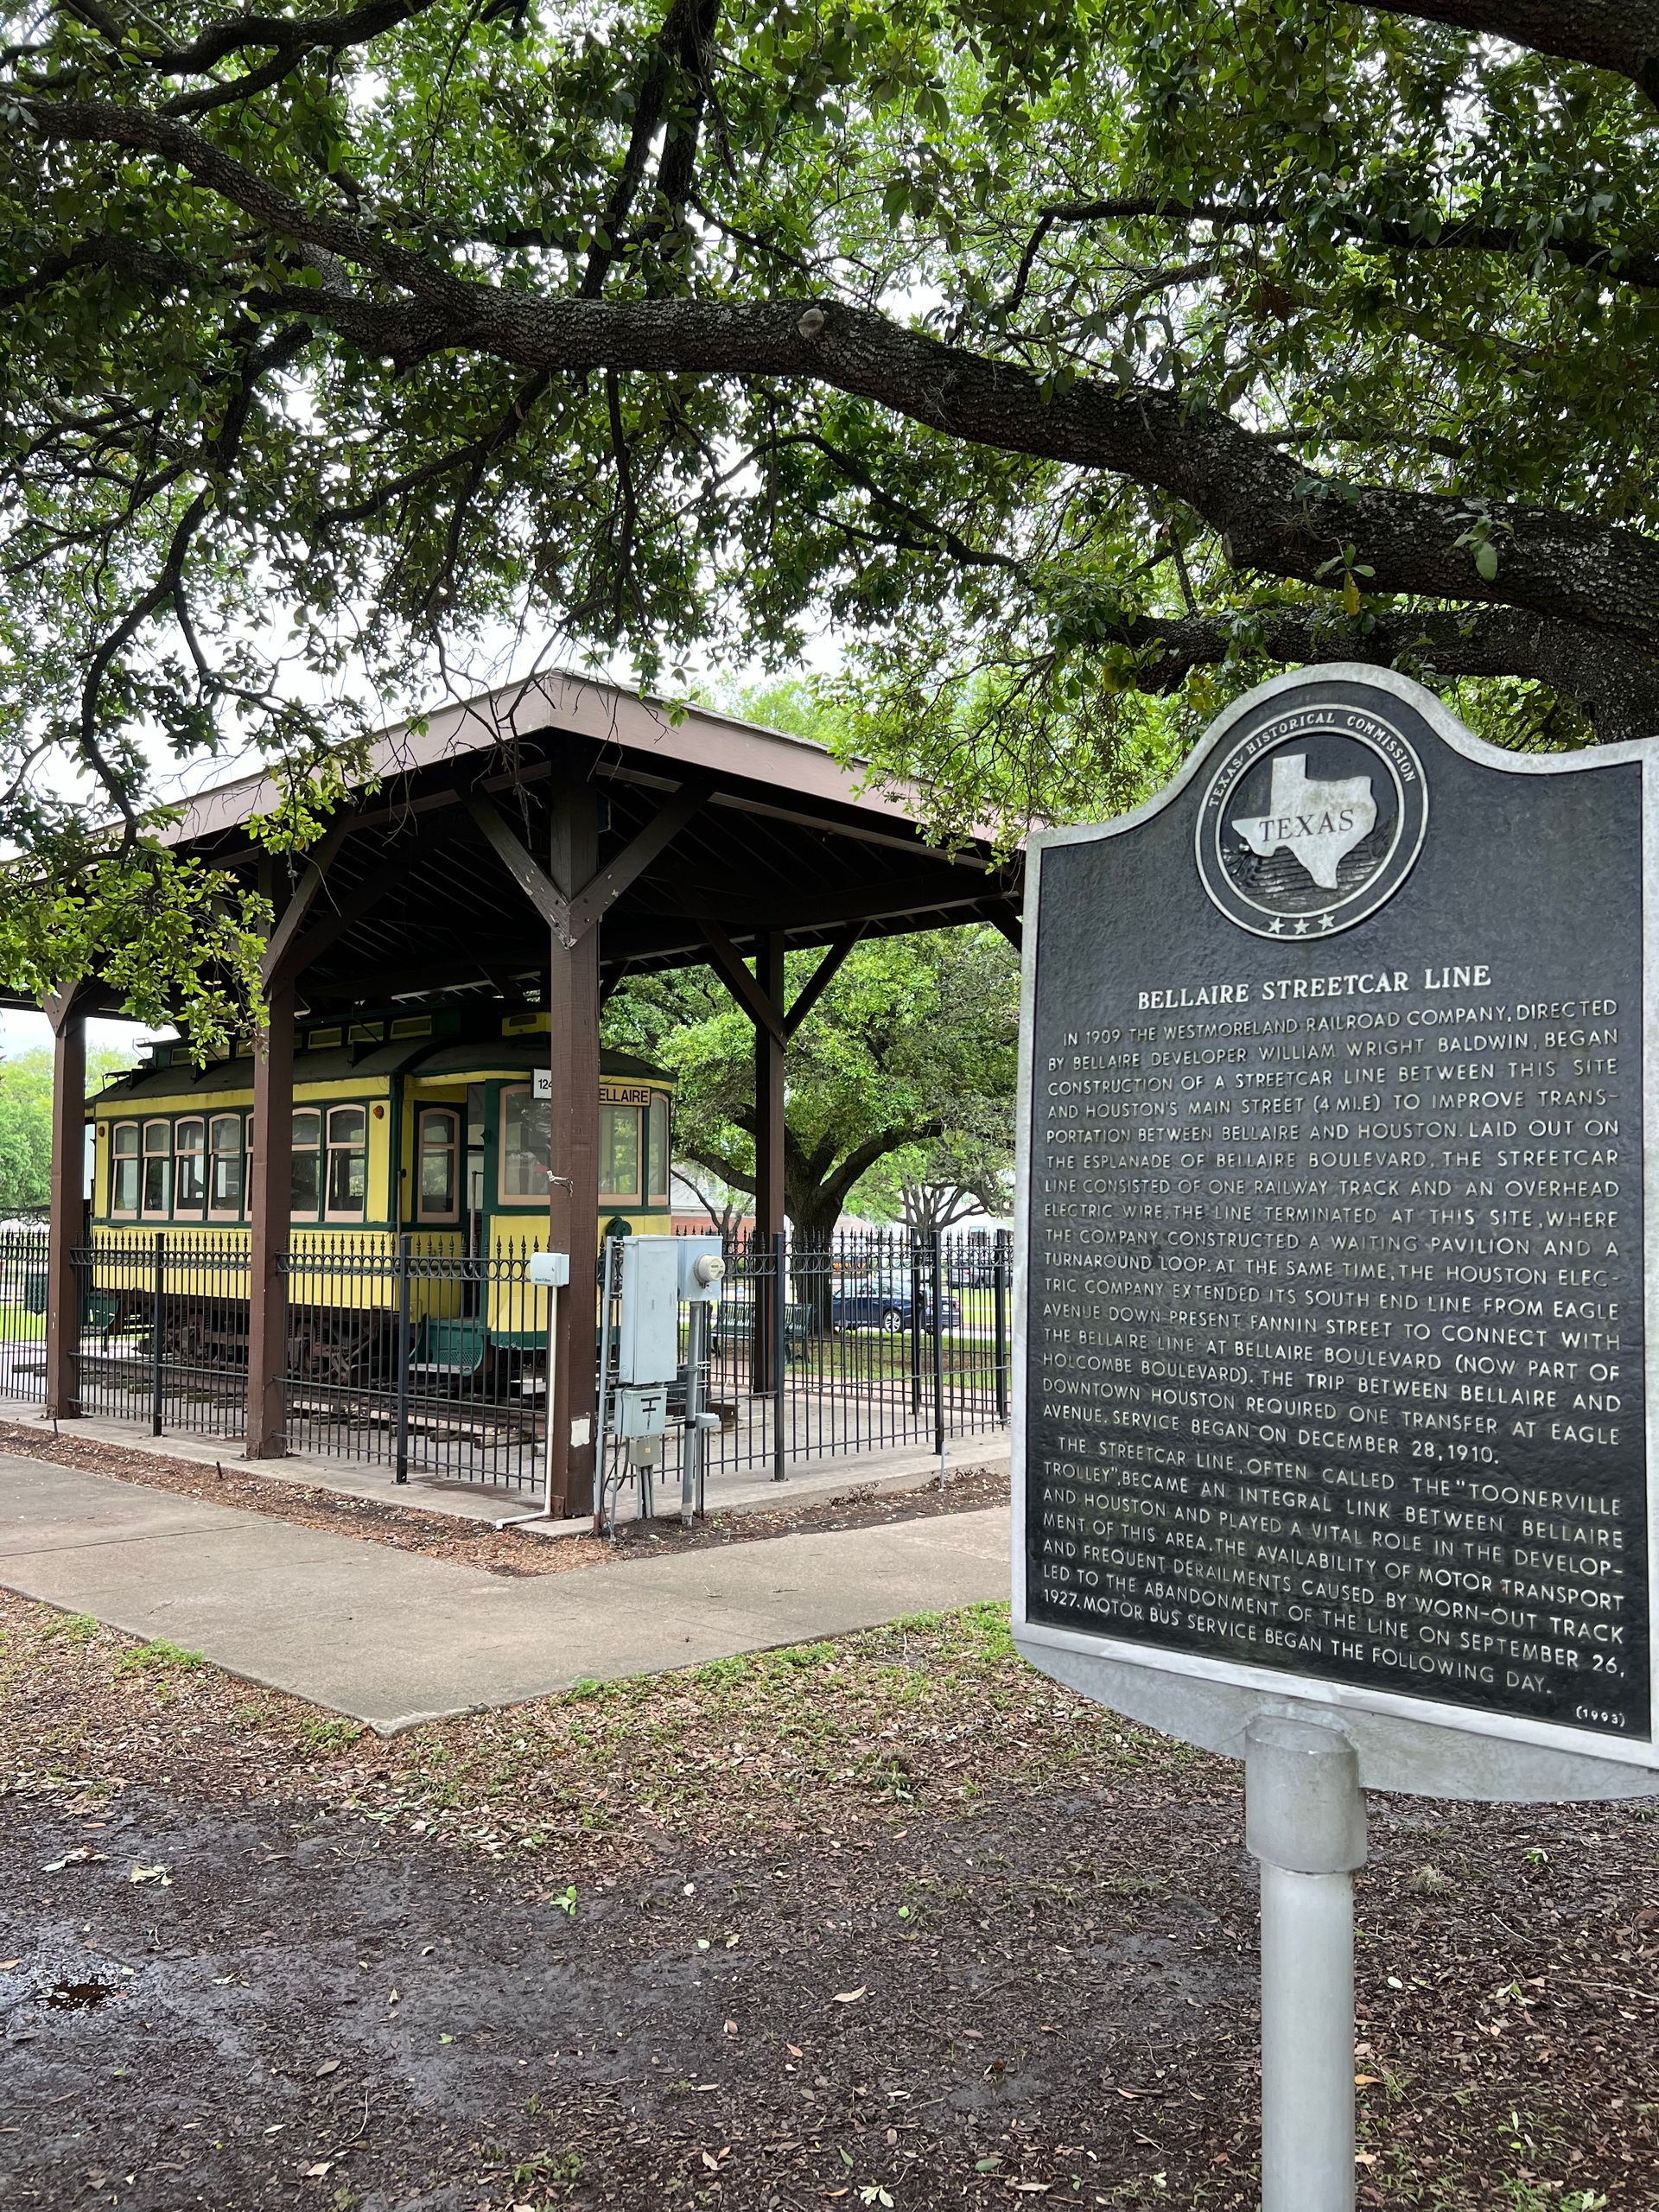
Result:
x=22 y=1312
x=164 y=1331
x=403 y=1353
x=407 y=1354
x=870 y=1340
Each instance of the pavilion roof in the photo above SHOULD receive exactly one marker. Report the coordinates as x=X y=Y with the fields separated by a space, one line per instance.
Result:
x=412 y=896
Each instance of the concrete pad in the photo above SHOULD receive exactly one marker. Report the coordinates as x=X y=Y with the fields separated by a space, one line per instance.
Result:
x=737 y=1490
x=350 y=1479
x=392 y=1637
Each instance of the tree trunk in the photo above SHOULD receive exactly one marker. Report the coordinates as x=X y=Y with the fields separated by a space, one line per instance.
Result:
x=811 y=1256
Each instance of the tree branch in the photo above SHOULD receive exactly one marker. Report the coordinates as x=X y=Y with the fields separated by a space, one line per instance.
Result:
x=1271 y=514
x=1622 y=35
x=153 y=267
x=740 y=1178
x=169 y=587
x=877 y=1146
x=680 y=44
x=288 y=38
x=1617 y=686
x=1467 y=235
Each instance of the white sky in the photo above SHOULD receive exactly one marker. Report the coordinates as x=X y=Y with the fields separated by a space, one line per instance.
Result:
x=28 y=1032
x=493 y=660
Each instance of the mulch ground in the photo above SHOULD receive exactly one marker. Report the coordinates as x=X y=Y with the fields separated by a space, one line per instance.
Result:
x=890 y=1921
x=504 y=1551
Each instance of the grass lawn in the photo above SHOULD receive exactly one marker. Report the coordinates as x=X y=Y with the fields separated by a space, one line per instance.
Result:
x=19 y=1326
x=893 y=1921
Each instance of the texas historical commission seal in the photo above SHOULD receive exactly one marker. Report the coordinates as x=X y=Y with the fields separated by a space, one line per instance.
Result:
x=1311 y=822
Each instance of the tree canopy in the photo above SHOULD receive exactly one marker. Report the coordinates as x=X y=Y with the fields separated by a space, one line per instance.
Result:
x=26 y=1121
x=1057 y=357
x=909 y=1053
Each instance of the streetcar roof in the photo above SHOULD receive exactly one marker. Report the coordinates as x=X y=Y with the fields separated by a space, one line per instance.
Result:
x=419 y=1056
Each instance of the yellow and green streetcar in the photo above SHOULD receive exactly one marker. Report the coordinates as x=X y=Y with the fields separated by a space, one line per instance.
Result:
x=424 y=1136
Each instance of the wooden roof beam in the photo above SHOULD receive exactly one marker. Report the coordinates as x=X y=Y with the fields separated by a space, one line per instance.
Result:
x=522 y=866
x=746 y=988
x=843 y=821
x=398 y=811
x=822 y=977
x=868 y=902
x=283 y=963
x=307 y=892
x=645 y=846
x=571 y=920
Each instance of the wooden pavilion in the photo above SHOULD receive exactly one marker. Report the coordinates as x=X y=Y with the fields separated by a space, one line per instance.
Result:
x=548 y=839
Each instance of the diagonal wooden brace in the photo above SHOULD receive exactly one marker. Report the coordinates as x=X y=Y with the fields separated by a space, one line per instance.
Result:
x=521 y=865
x=571 y=920
x=750 y=995
x=283 y=962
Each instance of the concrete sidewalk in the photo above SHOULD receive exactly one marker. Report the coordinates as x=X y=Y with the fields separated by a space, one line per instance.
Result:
x=392 y=1637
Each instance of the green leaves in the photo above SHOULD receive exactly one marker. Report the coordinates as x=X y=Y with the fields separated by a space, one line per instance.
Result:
x=912 y=1045
x=252 y=485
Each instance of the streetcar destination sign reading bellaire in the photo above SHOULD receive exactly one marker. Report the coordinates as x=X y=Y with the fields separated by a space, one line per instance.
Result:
x=1334 y=1356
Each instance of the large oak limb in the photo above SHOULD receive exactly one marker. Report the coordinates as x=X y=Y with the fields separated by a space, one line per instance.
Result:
x=1622 y=35
x=1274 y=516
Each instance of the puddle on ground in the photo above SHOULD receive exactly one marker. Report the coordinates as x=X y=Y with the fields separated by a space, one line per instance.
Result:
x=78 y=1996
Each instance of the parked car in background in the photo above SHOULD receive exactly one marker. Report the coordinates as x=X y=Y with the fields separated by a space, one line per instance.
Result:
x=891 y=1303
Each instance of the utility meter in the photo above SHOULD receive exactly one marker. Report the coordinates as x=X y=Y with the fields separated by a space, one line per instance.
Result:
x=701 y=1269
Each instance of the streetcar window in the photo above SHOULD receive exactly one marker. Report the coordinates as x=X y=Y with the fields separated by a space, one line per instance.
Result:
x=158 y=1166
x=226 y=1165
x=439 y=1139
x=189 y=1179
x=123 y=1172
x=619 y=1154
x=307 y=1162
x=658 y=1149
x=348 y=1162
x=526 y=1146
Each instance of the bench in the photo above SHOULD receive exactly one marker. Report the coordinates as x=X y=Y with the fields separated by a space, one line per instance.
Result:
x=734 y=1323
x=455 y=1350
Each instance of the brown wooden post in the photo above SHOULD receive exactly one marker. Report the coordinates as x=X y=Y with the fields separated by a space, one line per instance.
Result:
x=269 y=1205
x=768 y=1158
x=573 y=1194
x=66 y=1223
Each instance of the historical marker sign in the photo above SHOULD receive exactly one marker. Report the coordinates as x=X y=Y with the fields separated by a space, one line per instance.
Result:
x=1333 y=1374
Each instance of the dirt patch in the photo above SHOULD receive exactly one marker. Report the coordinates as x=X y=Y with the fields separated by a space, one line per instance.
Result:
x=504 y=1551
x=892 y=1918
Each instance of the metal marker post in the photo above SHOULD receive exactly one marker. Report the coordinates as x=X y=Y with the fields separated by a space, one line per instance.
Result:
x=692 y=1448
x=402 y=1474
x=158 y=1336
x=1305 y=1824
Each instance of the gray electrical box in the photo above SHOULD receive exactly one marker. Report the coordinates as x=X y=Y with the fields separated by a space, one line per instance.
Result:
x=638 y=1411
x=648 y=1326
